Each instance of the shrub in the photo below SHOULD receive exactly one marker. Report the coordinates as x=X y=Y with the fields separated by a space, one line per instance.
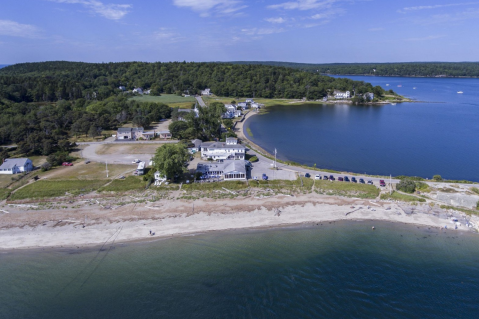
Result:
x=437 y=178
x=46 y=167
x=477 y=205
x=406 y=186
x=475 y=190
x=253 y=159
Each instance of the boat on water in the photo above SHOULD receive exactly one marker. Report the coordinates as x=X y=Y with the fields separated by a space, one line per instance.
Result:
x=393 y=103
x=460 y=92
x=387 y=84
x=400 y=86
x=414 y=88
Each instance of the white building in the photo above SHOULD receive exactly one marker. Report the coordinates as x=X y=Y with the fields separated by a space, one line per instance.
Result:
x=342 y=95
x=138 y=90
x=16 y=165
x=223 y=151
x=231 y=141
x=255 y=106
x=121 y=87
x=147 y=92
x=159 y=179
x=249 y=101
x=243 y=105
x=206 y=92
x=229 y=170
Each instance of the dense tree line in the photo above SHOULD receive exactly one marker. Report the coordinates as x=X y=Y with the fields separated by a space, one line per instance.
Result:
x=44 y=128
x=54 y=81
x=426 y=69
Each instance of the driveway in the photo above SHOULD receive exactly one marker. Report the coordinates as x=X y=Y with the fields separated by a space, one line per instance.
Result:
x=89 y=152
x=200 y=101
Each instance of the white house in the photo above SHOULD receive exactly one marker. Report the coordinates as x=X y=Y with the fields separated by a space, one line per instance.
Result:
x=369 y=96
x=159 y=178
x=138 y=90
x=223 y=151
x=147 y=92
x=16 y=165
x=229 y=170
x=206 y=92
x=249 y=101
x=342 y=95
x=129 y=133
x=255 y=106
x=238 y=113
x=231 y=141
x=243 y=105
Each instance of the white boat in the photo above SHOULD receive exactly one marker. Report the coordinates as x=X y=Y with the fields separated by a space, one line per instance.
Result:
x=393 y=103
x=387 y=84
x=414 y=88
x=460 y=92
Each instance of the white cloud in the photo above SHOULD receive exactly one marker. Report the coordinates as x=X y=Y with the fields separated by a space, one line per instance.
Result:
x=109 y=11
x=276 y=20
x=375 y=29
x=167 y=35
x=205 y=7
x=437 y=6
x=15 y=29
x=449 y=18
x=304 y=5
x=431 y=37
x=262 y=31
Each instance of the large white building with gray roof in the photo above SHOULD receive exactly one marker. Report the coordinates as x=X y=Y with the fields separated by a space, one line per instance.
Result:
x=16 y=165
x=228 y=170
x=229 y=150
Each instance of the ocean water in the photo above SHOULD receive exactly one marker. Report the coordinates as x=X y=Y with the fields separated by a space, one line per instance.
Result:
x=337 y=270
x=436 y=136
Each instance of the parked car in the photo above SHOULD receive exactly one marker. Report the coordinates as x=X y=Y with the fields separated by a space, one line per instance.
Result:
x=307 y=175
x=340 y=179
x=136 y=161
x=361 y=181
x=317 y=176
x=87 y=162
x=265 y=177
x=331 y=177
x=325 y=177
x=382 y=183
x=346 y=179
x=67 y=164
x=354 y=180
x=370 y=182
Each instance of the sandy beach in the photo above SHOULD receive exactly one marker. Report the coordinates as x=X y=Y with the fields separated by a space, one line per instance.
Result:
x=92 y=225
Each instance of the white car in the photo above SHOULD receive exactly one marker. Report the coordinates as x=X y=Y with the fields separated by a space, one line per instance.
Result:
x=317 y=176
x=136 y=161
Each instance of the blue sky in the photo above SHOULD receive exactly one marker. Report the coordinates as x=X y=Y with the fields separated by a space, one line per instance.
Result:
x=316 y=31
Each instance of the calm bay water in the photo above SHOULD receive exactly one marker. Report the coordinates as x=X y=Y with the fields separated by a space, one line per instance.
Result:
x=438 y=136
x=339 y=270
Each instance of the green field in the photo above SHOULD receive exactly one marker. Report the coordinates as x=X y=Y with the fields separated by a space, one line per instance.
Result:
x=170 y=99
x=346 y=189
x=123 y=185
x=402 y=197
x=44 y=189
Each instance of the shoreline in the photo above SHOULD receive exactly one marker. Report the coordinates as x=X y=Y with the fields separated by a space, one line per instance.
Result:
x=92 y=227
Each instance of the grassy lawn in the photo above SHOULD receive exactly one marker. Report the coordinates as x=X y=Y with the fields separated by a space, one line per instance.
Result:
x=230 y=185
x=83 y=171
x=5 y=180
x=4 y=193
x=280 y=184
x=402 y=197
x=123 y=185
x=172 y=100
x=44 y=189
x=346 y=189
x=127 y=149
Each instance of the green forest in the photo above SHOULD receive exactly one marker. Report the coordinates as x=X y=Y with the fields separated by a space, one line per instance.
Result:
x=45 y=104
x=420 y=69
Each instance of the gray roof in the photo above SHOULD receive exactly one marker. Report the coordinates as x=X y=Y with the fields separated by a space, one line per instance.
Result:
x=185 y=110
x=221 y=145
x=12 y=162
x=197 y=142
x=234 y=166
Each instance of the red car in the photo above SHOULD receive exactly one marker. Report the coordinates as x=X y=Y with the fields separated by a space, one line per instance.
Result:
x=382 y=183
x=67 y=164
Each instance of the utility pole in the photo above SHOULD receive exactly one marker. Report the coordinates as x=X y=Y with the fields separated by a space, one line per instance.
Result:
x=390 y=184
x=275 y=167
x=106 y=163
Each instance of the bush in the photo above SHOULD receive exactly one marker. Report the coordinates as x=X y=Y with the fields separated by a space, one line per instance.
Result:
x=437 y=178
x=406 y=186
x=475 y=190
x=477 y=205
x=58 y=158
x=46 y=167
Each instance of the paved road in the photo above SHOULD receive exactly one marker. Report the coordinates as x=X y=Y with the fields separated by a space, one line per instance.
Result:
x=89 y=153
x=200 y=101
x=264 y=164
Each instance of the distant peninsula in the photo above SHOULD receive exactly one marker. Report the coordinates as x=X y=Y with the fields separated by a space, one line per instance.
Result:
x=406 y=69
